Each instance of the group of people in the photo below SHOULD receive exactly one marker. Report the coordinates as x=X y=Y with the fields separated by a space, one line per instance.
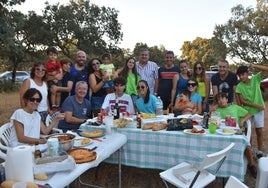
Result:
x=82 y=90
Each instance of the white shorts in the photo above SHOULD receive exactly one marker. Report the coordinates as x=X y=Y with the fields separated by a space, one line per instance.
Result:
x=258 y=119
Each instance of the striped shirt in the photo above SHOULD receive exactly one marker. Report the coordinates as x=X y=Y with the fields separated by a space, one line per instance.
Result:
x=149 y=72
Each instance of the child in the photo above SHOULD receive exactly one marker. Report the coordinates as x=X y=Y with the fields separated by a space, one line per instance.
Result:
x=241 y=115
x=108 y=70
x=250 y=98
x=183 y=103
x=54 y=70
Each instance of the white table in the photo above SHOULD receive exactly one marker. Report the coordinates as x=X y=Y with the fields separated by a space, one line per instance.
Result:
x=109 y=145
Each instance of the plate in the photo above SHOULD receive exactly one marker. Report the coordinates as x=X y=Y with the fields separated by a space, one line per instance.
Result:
x=188 y=131
x=81 y=142
x=83 y=155
x=220 y=131
x=92 y=134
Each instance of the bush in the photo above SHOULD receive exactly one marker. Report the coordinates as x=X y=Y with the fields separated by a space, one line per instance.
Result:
x=8 y=86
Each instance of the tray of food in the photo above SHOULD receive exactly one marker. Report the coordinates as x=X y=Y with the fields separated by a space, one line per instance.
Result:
x=92 y=134
x=83 y=155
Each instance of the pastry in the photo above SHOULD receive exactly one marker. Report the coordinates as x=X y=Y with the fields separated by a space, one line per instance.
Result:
x=41 y=177
x=95 y=133
x=82 y=155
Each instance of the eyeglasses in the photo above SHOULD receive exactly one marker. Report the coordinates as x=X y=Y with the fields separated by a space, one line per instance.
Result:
x=97 y=63
x=198 y=68
x=140 y=87
x=191 y=84
x=169 y=52
x=40 y=69
x=32 y=99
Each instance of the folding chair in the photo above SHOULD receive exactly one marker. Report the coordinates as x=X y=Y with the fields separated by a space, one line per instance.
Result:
x=49 y=119
x=5 y=131
x=189 y=175
x=233 y=182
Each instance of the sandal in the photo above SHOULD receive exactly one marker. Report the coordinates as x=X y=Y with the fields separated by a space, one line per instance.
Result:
x=253 y=171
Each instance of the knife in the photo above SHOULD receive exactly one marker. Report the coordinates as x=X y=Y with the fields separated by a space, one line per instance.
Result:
x=93 y=148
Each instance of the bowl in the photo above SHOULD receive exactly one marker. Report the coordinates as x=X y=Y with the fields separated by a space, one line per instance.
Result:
x=65 y=140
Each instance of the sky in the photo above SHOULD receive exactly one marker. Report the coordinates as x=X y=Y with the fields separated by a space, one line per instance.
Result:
x=161 y=22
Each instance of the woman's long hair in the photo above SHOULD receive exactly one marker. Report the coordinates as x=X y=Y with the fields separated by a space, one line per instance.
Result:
x=90 y=66
x=146 y=99
x=202 y=76
x=124 y=71
x=189 y=73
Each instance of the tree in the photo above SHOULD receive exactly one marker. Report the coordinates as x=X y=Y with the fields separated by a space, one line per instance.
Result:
x=246 y=33
x=208 y=51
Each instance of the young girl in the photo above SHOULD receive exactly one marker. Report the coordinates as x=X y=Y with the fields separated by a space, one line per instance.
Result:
x=184 y=104
x=107 y=69
x=129 y=72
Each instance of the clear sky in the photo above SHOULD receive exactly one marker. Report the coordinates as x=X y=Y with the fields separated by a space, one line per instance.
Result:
x=161 y=22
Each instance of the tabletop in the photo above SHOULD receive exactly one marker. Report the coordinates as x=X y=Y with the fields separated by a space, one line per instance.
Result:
x=108 y=145
x=164 y=149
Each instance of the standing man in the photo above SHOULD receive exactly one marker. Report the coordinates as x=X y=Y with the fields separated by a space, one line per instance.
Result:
x=165 y=77
x=224 y=81
x=77 y=109
x=79 y=71
x=250 y=97
x=148 y=70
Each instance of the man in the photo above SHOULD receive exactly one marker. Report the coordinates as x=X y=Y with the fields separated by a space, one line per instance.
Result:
x=123 y=100
x=250 y=97
x=77 y=109
x=148 y=70
x=224 y=81
x=79 y=71
x=165 y=77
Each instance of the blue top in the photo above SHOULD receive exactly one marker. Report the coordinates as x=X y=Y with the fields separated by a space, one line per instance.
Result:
x=79 y=110
x=181 y=85
x=149 y=107
x=196 y=98
x=79 y=75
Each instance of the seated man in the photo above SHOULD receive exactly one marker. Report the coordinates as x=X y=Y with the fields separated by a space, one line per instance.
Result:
x=77 y=109
x=241 y=115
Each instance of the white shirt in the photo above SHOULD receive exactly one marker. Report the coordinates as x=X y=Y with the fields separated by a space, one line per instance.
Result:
x=125 y=103
x=43 y=90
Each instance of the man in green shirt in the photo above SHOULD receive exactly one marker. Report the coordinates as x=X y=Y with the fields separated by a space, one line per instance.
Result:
x=250 y=98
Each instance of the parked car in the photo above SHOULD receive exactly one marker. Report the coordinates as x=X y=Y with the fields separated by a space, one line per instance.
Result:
x=264 y=84
x=20 y=76
x=210 y=74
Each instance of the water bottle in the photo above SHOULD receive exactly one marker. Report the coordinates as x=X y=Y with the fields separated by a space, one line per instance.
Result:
x=159 y=106
x=205 y=120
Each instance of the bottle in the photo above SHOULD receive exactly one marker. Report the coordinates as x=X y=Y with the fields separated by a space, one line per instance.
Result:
x=205 y=120
x=116 y=109
x=138 y=119
x=159 y=106
x=37 y=152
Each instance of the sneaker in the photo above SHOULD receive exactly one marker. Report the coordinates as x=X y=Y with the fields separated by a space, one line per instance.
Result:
x=253 y=171
x=259 y=154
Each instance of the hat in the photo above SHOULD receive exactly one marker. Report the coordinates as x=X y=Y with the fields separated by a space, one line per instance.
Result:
x=241 y=70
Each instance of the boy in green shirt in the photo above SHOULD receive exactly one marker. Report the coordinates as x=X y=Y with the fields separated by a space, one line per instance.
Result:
x=250 y=98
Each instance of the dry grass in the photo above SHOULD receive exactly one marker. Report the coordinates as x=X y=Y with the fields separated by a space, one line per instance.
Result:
x=9 y=102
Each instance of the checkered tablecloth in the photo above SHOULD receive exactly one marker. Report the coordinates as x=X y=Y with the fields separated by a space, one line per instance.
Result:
x=164 y=149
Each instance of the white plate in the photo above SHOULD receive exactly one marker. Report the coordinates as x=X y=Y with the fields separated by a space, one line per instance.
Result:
x=78 y=142
x=188 y=131
x=220 y=131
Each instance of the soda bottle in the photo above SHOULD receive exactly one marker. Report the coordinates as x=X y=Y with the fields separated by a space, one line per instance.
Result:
x=37 y=152
x=205 y=120
x=116 y=109
x=138 y=119
x=159 y=106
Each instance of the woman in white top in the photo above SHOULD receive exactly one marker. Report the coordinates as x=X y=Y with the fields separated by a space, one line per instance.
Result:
x=26 y=122
x=37 y=81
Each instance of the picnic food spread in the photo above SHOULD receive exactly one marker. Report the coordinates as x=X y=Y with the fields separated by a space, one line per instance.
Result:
x=121 y=123
x=95 y=133
x=82 y=155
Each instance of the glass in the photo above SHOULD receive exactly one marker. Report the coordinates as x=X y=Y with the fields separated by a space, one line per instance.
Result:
x=97 y=63
x=212 y=128
x=198 y=68
x=191 y=84
x=32 y=99
x=109 y=123
x=40 y=69
x=140 y=87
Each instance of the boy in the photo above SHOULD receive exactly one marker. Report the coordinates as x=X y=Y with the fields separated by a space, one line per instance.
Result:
x=184 y=104
x=241 y=115
x=54 y=70
x=250 y=97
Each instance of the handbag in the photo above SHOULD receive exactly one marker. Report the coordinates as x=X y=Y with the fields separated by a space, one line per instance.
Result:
x=178 y=124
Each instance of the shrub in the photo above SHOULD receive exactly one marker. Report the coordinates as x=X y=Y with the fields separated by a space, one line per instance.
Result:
x=8 y=86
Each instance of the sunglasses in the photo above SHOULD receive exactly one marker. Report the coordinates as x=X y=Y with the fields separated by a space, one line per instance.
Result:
x=32 y=99
x=40 y=69
x=191 y=84
x=97 y=63
x=198 y=68
x=140 y=87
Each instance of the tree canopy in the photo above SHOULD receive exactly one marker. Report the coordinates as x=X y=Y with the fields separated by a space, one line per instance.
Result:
x=246 y=33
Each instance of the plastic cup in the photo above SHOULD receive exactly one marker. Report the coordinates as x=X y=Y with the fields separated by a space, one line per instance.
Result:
x=212 y=128
x=53 y=146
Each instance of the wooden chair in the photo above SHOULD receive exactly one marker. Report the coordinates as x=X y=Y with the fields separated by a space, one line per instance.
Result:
x=5 y=132
x=191 y=175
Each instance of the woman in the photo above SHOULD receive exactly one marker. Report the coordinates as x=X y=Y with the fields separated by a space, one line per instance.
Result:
x=129 y=72
x=96 y=81
x=203 y=84
x=179 y=82
x=192 y=86
x=146 y=102
x=37 y=81
x=26 y=122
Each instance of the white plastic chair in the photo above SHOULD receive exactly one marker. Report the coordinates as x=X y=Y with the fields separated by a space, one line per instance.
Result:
x=50 y=118
x=248 y=136
x=188 y=175
x=233 y=182
x=5 y=131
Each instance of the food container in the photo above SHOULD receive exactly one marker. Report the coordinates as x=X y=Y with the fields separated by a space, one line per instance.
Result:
x=65 y=140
